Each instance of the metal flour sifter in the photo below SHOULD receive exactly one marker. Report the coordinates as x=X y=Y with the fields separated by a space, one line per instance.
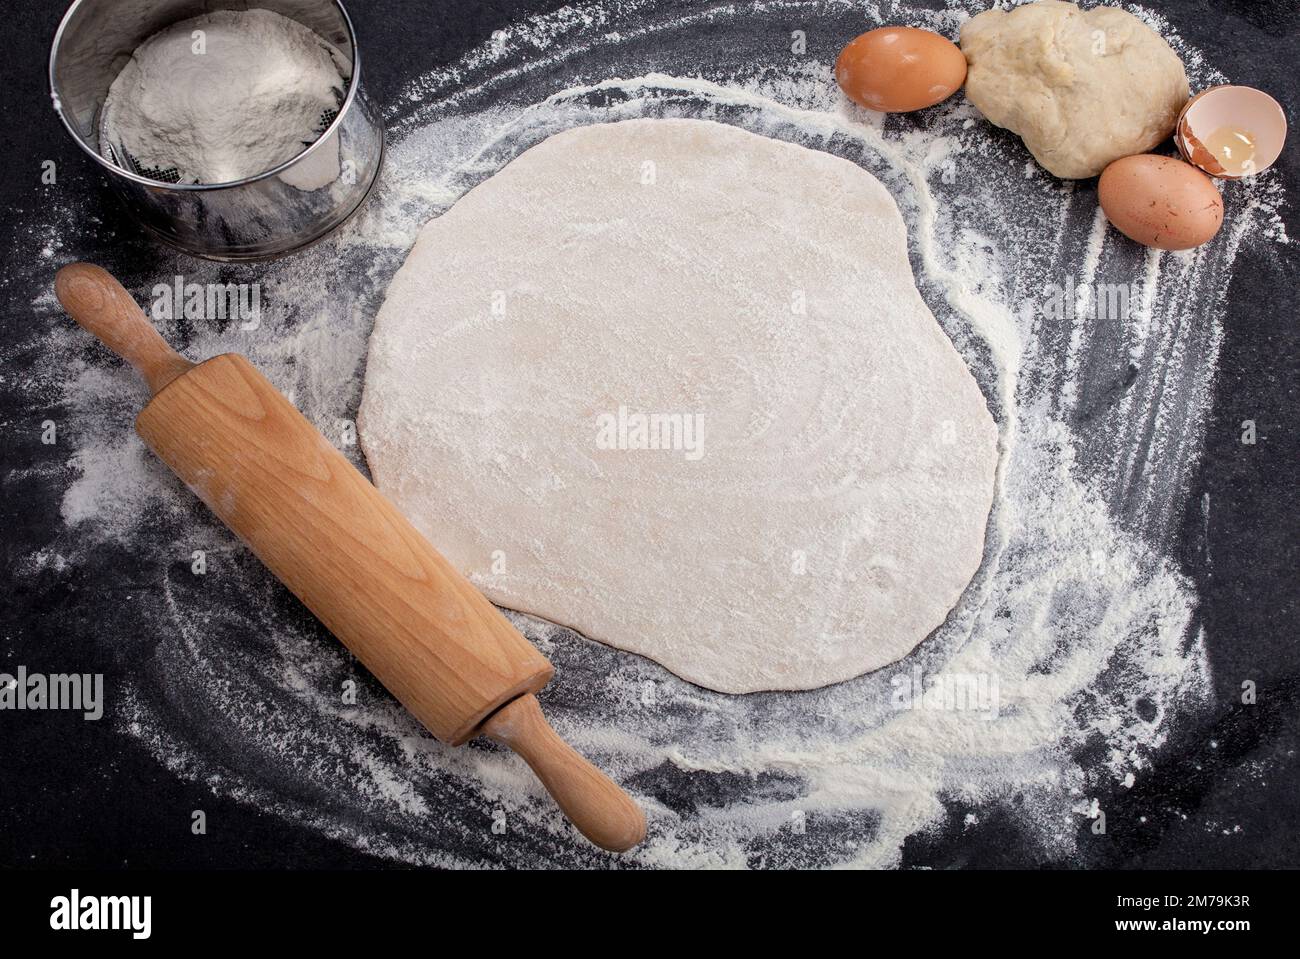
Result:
x=270 y=214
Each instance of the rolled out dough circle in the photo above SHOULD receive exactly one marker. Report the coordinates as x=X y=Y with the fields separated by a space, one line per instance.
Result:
x=830 y=507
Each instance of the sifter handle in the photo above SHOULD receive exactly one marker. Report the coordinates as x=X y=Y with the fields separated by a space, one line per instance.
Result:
x=593 y=802
x=108 y=312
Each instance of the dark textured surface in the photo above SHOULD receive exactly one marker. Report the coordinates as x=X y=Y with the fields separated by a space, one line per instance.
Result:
x=74 y=793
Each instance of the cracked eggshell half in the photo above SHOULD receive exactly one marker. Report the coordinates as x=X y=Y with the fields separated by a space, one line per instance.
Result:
x=1231 y=131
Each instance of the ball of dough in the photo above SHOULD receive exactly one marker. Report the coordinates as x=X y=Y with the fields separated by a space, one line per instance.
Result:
x=1081 y=88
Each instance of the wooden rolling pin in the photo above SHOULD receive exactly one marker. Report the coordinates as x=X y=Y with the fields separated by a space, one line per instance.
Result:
x=343 y=549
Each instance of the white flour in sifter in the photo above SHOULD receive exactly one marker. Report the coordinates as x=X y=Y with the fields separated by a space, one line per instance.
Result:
x=224 y=96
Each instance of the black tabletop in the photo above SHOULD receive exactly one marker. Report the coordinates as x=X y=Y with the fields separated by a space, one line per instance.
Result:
x=82 y=794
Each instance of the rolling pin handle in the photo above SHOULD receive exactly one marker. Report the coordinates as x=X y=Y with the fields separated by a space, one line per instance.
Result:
x=102 y=307
x=593 y=802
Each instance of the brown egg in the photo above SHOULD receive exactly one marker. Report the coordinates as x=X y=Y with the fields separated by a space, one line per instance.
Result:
x=1160 y=202
x=896 y=69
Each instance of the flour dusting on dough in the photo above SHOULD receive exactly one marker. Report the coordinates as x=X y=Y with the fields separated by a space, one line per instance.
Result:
x=822 y=502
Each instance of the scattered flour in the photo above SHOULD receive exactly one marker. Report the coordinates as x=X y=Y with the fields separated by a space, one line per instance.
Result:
x=1076 y=611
